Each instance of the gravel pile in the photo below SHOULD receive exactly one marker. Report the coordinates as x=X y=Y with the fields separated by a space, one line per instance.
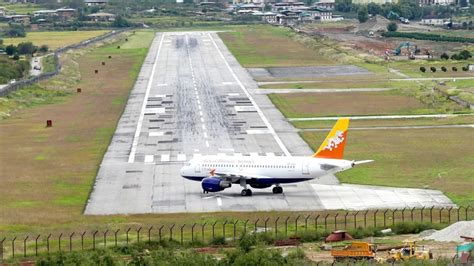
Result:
x=453 y=232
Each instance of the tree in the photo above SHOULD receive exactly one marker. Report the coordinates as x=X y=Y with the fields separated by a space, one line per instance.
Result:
x=465 y=54
x=43 y=49
x=27 y=48
x=363 y=14
x=11 y=50
x=433 y=69
x=463 y=3
x=392 y=26
x=444 y=56
x=422 y=69
x=444 y=69
x=15 y=31
x=455 y=57
x=121 y=22
x=454 y=68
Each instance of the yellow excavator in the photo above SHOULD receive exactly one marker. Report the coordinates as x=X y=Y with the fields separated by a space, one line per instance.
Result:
x=409 y=251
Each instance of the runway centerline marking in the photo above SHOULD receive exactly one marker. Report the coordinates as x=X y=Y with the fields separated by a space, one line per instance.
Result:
x=131 y=157
x=259 y=111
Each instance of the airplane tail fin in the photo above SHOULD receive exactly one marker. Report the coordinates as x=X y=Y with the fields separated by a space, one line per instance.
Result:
x=333 y=146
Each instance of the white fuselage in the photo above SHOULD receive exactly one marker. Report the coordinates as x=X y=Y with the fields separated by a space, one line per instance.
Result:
x=268 y=169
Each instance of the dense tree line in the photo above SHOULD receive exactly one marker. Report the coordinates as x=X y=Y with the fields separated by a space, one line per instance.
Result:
x=12 y=69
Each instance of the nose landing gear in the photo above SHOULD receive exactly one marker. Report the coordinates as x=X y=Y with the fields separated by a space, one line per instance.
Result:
x=246 y=192
x=277 y=190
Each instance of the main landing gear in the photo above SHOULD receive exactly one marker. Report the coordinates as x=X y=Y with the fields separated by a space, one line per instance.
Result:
x=246 y=192
x=277 y=190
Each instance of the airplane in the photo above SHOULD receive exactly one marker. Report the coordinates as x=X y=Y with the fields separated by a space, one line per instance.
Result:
x=217 y=173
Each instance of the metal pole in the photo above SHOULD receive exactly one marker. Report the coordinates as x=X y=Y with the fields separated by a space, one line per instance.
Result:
x=431 y=214
x=213 y=230
x=1 y=249
x=345 y=220
x=421 y=213
x=126 y=232
x=375 y=218
x=13 y=247
x=326 y=222
x=235 y=227
x=385 y=218
x=105 y=238
x=47 y=242
x=59 y=240
x=440 y=210
x=245 y=226
x=316 y=222
x=202 y=231
x=276 y=226
x=296 y=223
x=181 y=229
x=365 y=219
x=24 y=246
x=403 y=214
x=449 y=215
x=115 y=236
x=171 y=232
x=266 y=221
x=93 y=239
x=355 y=219
x=149 y=234
x=70 y=241
x=159 y=231
x=468 y=206
x=255 y=225
x=138 y=234
x=412 y=210
x=223 y=228
x=393 y=216
x=286 y=226
x=192 y=232
x=36 y=245
x=306 y=223
x=458 y=211
x=82 y=240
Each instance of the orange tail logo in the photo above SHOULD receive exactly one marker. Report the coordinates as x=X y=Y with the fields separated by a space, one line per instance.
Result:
x=333 y=145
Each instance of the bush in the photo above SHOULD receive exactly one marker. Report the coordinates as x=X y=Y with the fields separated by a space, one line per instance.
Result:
x=219 y=241
x=392 y=26
x=363 y=14
x=444 y=56
x=454 y=68
x=455 y=57
x=413 y=228
x=43 y=49
x=427 y=36
x=423 y=69
x=465 y=68
x=443 y=69
x=433 y=69
x=465 y=55
x=246 y=242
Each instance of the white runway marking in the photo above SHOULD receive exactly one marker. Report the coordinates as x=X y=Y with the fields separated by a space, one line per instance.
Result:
x=202 y=120
x=237 y=154
x=161 y=85
x=262 y=116
x=203 y=127
x=160 y=96
x=197 y=155
x=131 y=158
x=200 y=113
x=181 y=157
x=156 y=134
x=257 y=131
x=221 y=154
x=207 y=143
x=245 y=109
x=159 y=110
x=219 y=201
x=149 y=158
x=270 y=154
x=254 y=154
x=205 y=135
x=165 y=157
x=233 y=94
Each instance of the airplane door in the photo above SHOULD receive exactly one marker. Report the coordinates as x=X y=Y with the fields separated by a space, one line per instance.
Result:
x=197 y=168
x=305 y=167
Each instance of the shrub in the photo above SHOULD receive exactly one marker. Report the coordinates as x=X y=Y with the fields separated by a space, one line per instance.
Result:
x=392 y=26
x=433 y=69
x=465 y=54
x=444 y=56
x=412 y=228
x=422 y=69
x=455 y=57
x=465 y=68
x=246 y=242
x=454 y=68
x=220 y=240
x=427 y=36
x=443 y=69
x=363 y=14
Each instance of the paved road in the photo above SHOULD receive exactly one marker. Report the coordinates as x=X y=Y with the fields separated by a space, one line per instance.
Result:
x=35 y=66
x=193 y=98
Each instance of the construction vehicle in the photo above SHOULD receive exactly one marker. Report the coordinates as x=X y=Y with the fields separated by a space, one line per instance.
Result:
x=464 y=254
x=355 y=251
x=409 y=251
x=408 y=46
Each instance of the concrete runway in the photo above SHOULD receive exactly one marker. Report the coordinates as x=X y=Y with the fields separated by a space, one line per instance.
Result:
x=193 y=98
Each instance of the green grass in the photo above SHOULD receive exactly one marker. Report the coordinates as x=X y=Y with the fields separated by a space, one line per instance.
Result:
x=48 y=64
x=23 y=8
x=422 y=158
x=55 y=39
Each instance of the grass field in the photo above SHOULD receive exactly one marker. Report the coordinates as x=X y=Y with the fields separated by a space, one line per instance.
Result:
x=46 y=180
x=55 y=39
x=350 y=103
x=424 y=158
x=412 y=68
x=267 y=46
x=22 y=8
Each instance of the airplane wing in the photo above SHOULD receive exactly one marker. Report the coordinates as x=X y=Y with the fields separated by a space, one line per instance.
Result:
x=236 y=175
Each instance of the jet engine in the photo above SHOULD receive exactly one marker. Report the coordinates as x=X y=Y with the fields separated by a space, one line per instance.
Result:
x=213 y=184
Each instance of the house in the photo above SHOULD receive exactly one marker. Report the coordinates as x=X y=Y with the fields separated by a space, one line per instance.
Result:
x=250 y=7
x=3 y=11
x=45 y=13
x=101 y=17
x=327 y=4
x=66 y=14
x=95 y=2
x=434 y=21
x=436 y=2
x=23 y=19
x=269 y=17
x=320 y=14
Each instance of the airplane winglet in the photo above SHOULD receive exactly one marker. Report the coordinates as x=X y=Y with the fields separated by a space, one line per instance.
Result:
x=362 y=162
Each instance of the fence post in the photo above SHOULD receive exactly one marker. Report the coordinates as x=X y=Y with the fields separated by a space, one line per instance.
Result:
x=159 y=231
x=245 y=226
x=393 y=216
x=326 y=222
x=149 y=234
x=286 y=226
x=126 y=233
x=276 y=226
x=335 y=220
x=266 y=221
x=385 y=218
x=13 y=247
x=345 y=220
x=70 y=241
x=105 y=238
x=411 y=213
x=223 y=228
x=316 y=222
x=421 y=213
x=440 y=210
x=24 y=246
x=306 y=223
x=36 y=245
x=403 y=214
x=375 y=218
x=235 y=227
x=355 y=219
x=365 y=218
x=1 y=249
x=466 y=208
x=47 y=242
x=171 y=232
x=82 y=240
x=431 y=214
x=255 y=225
x=192 y=232
x=296 y=224
x=181 y=230
x=138 y=234
x=59 y=241
x=202 y=231
x=449 y=215
x=115 y=236
x=213 y=230
x=93 y=239
x=458 y=211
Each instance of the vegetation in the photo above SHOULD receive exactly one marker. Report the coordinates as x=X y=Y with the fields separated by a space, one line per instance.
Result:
x=392 y=26
x=363 y=14
x=12 y=69
x=427 y=36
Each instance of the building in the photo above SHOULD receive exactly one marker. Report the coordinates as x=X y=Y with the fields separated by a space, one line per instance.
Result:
x=95 y=2
x=327 y=4
x=434 y=22
x=45 y=13
x=437 y=2
x=23 y=19
x=101 y=17
x=66 y=14
x=380 y=2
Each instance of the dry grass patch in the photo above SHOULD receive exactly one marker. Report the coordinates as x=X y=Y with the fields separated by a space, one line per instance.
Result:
x=421 y=158
x=342 y=104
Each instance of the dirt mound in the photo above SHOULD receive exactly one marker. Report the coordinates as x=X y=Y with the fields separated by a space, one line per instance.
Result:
x=453 y=232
